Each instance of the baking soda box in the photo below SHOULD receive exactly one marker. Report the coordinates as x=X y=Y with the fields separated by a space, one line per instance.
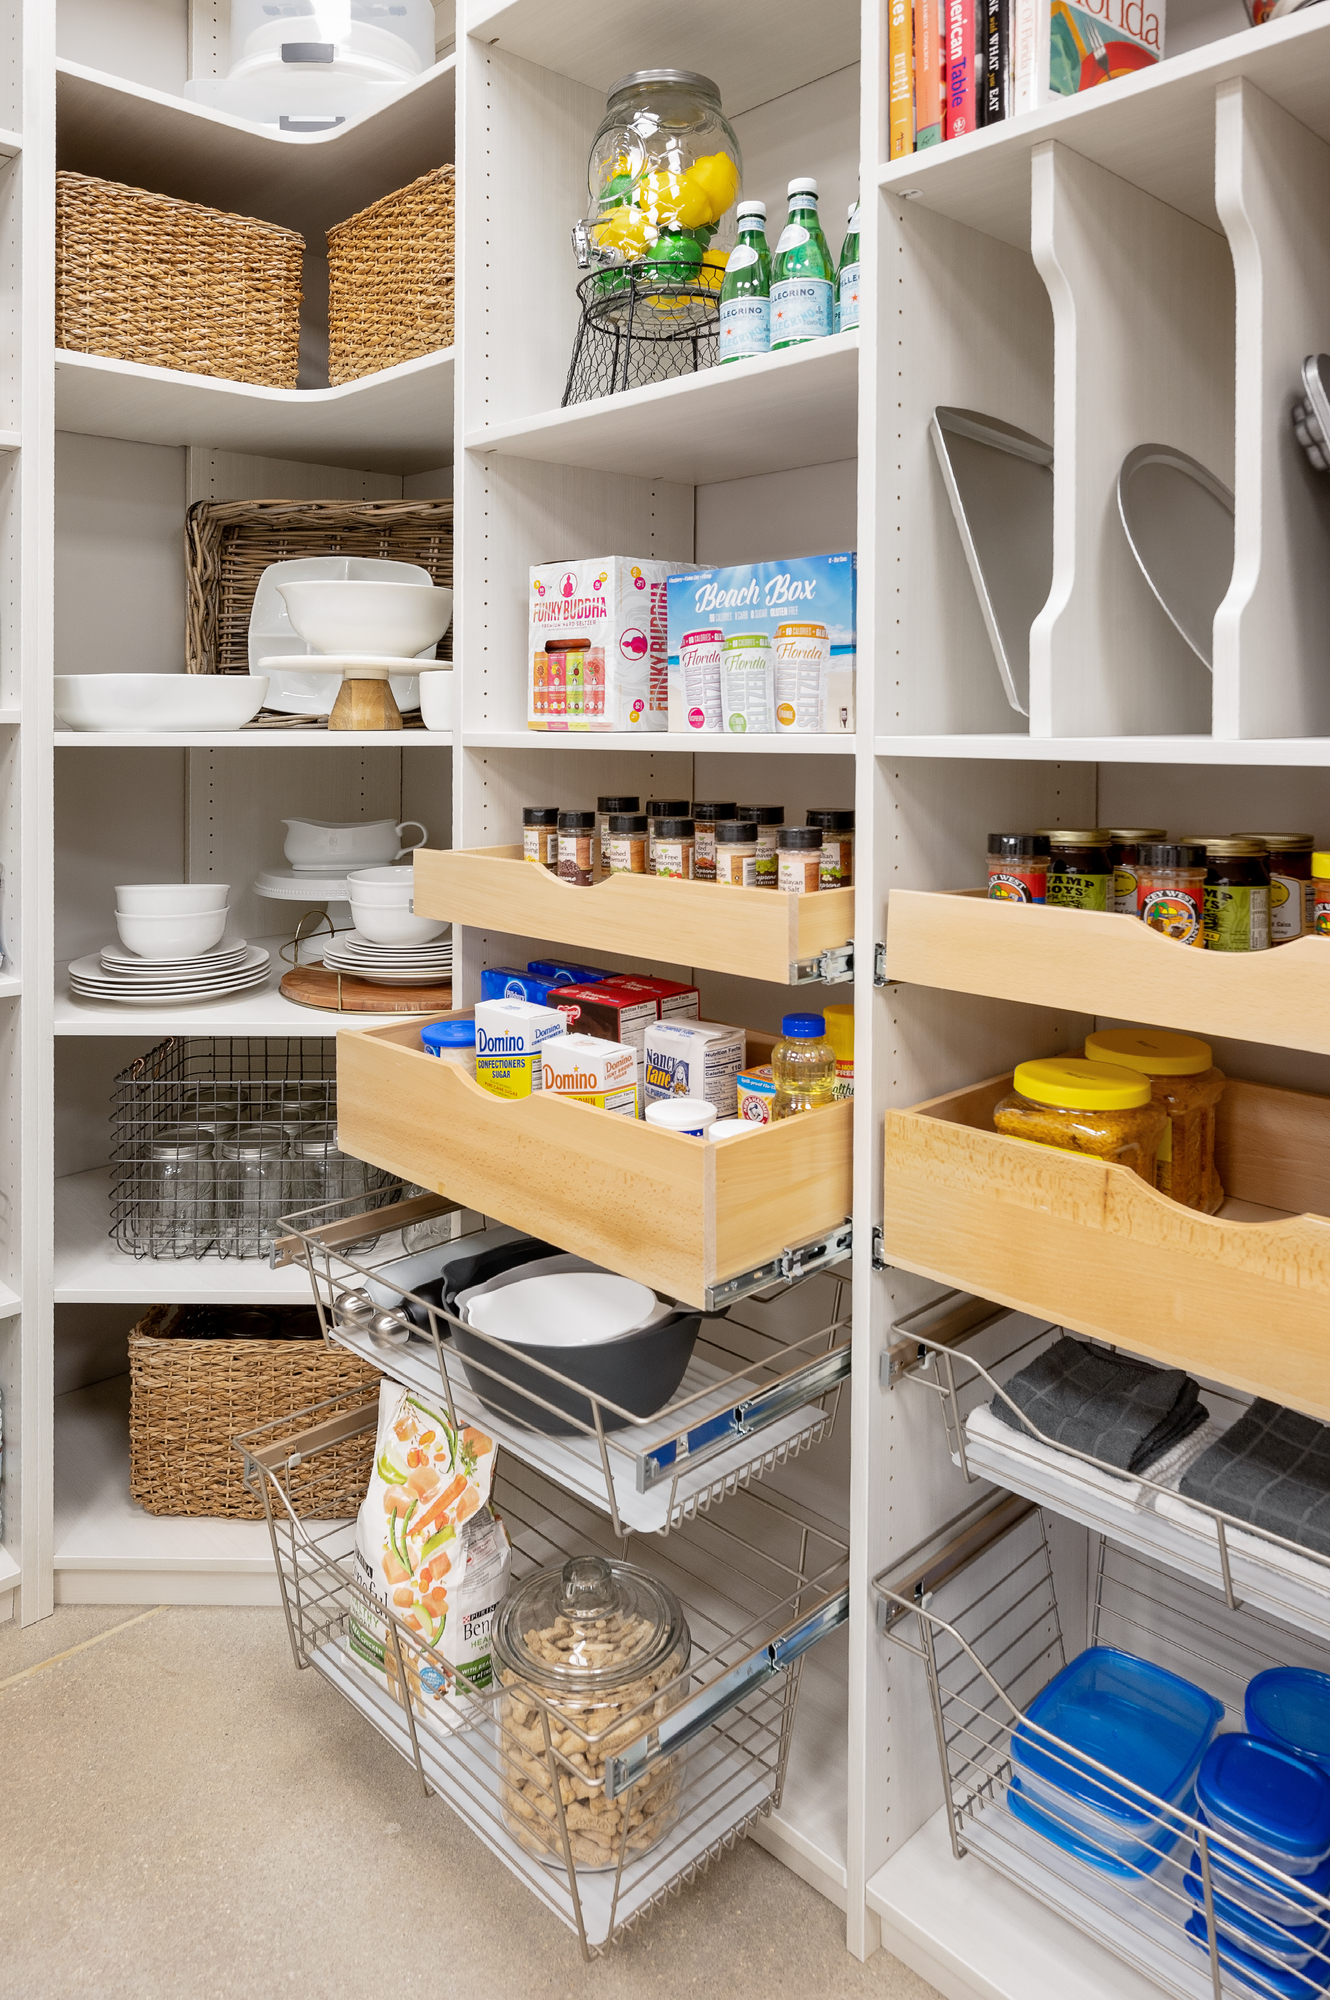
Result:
x=793 y=623
x=597 y=655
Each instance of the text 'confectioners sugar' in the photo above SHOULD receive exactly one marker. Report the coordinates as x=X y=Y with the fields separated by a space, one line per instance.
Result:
x=510 y=1035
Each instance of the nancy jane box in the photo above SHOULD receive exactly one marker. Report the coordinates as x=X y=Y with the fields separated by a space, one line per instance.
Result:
x=765 y=648
x=597 y=657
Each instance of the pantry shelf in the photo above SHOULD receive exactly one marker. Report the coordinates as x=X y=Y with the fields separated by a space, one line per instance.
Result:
x=753 y=933
x=1093 y=962
x=829 y=744
x=262 y=1011
x=1286 y=752
x=246 y=739
x=89 y=1270
x=399 y=420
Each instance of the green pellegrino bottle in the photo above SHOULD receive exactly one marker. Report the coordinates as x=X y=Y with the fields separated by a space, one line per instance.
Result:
x=847 y=277
x=745 y=296
x=803 y=278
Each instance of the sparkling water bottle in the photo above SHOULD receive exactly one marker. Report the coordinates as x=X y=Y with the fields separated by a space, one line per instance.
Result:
x=745 y=296
x=803 y=280
x=847 y=277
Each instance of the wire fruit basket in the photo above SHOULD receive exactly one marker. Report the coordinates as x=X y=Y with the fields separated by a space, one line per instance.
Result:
x=637 y=328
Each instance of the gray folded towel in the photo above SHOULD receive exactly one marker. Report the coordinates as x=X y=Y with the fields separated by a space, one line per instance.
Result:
x=1120 y=1411
x=1272 y=1469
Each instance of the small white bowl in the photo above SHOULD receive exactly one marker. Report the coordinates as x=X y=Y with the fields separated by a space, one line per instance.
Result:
x=170 y=937
x=382 y=925
x=349 y=615
x=438 y=699
x=158 y=701
x=390 y=888
x=170 y=899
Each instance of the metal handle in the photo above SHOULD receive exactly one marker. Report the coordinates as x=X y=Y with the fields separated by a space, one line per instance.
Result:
x=289 y=1451
x=958 y=1315
x=704 y=1440
x=898 y=1596
x=353 y=1228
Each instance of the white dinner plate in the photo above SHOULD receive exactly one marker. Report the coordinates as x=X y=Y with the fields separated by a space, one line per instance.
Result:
x=112 y=988
x=117 y=962
x=88 y=972
x=134 y=998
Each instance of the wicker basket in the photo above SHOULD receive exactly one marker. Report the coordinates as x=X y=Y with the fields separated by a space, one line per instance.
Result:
x=189 y=1398
x=229 y=544
x=142 y=277
x=390 y=279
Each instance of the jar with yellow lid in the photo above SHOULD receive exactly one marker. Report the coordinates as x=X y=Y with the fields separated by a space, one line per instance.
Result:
x=1098 y=1108
x=1321 y=894
x=1187 y=1087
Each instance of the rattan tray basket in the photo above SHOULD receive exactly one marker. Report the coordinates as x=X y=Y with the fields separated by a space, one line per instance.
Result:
x=229 y=544
x=390 y=279
x=143 y=277
x=189 y=1398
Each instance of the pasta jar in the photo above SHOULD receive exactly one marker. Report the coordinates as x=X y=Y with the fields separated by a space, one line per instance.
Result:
x=623 y=849
x=588 y=1658
x=837 y=848
x=1292 y=897
x=1237 y=895
x=1098 y=1108
x=706 y=812
x=1187 y=1087
x=1170 y=878
x=1018 y=867
x=736 y=853
x=577 y=848
x=658 y=809
x=604 y=807
x=540 y=836
x=1080 y=872
x=768 y=820
x=676 y=849
x=799 y=860
x=1321 y=891
x=1124 y=855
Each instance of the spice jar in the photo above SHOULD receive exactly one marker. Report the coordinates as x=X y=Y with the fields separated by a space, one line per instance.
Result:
x=177 y=1197
x=768 y=820
x=577 y=848
x=1080 y=873
x=736 y=853
x=1124 y=855
x=1292 y=898
x=1237 y=895
x=1171 y=889
x=589 y=1658
x=604 y=808
x=1187 y=1087
x=661 y=809
x=540 y=836
x=676 y=849
x=706 y=812
x=1018 y=867
x=837 y=829
x=623 y=848
x=251 y=1189
x=1321 y=891
x=1102 y=1109
x=799 y=859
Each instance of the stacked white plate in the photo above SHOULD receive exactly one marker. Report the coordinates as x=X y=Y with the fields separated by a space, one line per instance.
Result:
x=389 y=964
x=113 y=974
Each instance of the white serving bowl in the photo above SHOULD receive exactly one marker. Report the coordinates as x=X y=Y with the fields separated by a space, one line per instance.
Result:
x=383 y=925
x=390 y=888
x=158 y=701
x=328 y=846
x=438 y=700
x=348 y=615
x=170 y=899
x=156 y=936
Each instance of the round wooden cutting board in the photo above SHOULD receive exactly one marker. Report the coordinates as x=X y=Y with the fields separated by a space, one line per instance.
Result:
x=315 y=986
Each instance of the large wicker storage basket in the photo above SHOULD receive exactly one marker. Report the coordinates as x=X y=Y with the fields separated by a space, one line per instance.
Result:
x=143 y=277
x=390 y=279
x=189 y=1398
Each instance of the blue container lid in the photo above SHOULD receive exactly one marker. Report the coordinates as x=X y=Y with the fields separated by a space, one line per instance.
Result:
x=1286 y=1940
x=1248 y=1874
x=804 y=1027
x=1273 y=1982
x=449 y=1035
x=1253 y=1789
x=1291 y=1706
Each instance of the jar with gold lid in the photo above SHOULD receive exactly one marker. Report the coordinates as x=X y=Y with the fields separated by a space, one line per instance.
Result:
x=1080 y=867
x=1186 y=1085
x=1079 y=1106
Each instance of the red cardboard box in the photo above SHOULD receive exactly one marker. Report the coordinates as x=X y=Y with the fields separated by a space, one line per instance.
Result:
x=675 y=1001
x=614 y=1012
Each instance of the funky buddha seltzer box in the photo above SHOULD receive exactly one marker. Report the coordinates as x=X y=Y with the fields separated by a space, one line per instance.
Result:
x=792 y=624
x=597 y=655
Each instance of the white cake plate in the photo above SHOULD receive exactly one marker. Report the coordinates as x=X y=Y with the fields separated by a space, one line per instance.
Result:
x=352 y=666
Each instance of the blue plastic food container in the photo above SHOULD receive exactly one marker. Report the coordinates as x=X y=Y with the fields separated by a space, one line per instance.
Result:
x=1266 y=1895
x=1053 y=1823
x=1290 y=1706
x=442 y=1037
x=1290 y=1946
x=1254 y=1974
x=1140 y=1722
x=1267 y=1801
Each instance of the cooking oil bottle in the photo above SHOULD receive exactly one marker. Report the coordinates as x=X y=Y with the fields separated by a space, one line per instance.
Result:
x=803 y=1064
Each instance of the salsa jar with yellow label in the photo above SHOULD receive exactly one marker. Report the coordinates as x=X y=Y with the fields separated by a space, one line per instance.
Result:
x=1099 y=1108
x=1237 y=895
x=1125 y=853
x=1080 y=872
x=1187 y=1087
x=1292 y=897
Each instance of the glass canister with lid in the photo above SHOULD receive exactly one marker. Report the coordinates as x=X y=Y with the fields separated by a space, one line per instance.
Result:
x=177 y=1203
x=251 y=1189
x=1079 y=1106
x=589 y=1657
x=1186 y=1085
x=1080 y=866
x=1237 y=894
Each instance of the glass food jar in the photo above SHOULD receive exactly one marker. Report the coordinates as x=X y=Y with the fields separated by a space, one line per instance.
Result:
x=1018 y=867
x=605 y=807
x=1187 y=1087
x=577 y=848
x=623 y=843
x=1124 y=854
x=177 y=1200
x=676 y=848
x=837 y=870
x=658 y=809
x=799 y=859
x=601 y=1643
x=317 y=1172
x=664 y=174
x=768 y=820
x=1292 y=898
x=1080 y=870
x=251 y=1189
x=1170 y=878
x=736 y=853
x=706 y=812
x=1099 y=1108
x=540 y=836
x=1237 y=895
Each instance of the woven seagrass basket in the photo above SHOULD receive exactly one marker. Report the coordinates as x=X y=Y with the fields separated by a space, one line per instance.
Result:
x=390 y=279
x=143 y=277
x=189 y=1398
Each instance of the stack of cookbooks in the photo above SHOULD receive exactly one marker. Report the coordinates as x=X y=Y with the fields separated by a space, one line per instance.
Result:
x=953 y=65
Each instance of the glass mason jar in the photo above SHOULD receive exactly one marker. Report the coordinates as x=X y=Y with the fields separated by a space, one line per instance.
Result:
x=605 y=1645
x=251 y=1189
x=1124 y=853
x=177 y=1213
x=1292 y=896
x=1187 y=1087
x=1099 y=1108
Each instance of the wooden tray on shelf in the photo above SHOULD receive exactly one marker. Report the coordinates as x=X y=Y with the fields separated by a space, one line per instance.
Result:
x=1096 y=963
x=683 y=1215
x=756 y=933
x=1091 y=1247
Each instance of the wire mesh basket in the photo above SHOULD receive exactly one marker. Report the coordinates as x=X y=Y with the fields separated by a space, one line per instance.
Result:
x=637 y=329
x=215 y=1140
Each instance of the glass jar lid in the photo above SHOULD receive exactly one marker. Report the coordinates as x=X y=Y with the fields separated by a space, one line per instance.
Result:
x=1152 y=1051
x=1061 y=836
x=735 y=832
x=1281 y=843
x=669 y=808
x=593 y=1624
x=675 y=829
x=253 y=1142
x=180 y=1142
x=314 y=1139
x=682 y=79
x=1070 y=1083
x=1134 y=833
x=1170 y=854
x=1229 y=846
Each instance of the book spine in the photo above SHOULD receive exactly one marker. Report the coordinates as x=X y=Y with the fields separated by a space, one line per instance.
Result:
x=960 y=67
x=995 y=65
x=1023 y=38
x=900 y=80
x=930 y=64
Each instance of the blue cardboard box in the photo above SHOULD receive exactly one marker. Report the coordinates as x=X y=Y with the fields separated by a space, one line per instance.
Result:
x=791 y=629
x=509 y=982
x=560 y=972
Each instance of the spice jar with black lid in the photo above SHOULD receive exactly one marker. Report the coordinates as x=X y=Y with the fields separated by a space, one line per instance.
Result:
x=1124 y=853
x=577 y=848
x=799 y=859
x=676 y=848
x=623 y=848
x=604 y=807
x=837 y=846
x=768 y=821
x=540 y=835
x=663 y=809
x=1292 y=893
x=1237 y=895
x=705 y=814
x=736 y=853
x=1080 y=871
x=1018 y=867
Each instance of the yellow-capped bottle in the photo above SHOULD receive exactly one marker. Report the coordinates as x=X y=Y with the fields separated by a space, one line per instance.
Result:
x=803 y=1066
